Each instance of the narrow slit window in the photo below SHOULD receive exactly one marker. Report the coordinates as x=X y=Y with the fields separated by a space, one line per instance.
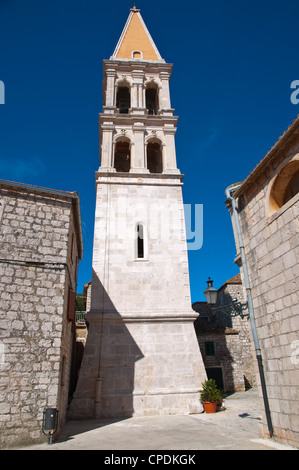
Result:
x=140 y=241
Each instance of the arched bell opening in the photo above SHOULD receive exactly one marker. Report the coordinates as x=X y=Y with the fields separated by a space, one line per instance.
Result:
x=123 y=98
x=122 y=156
x=154 y=157
x=152 y=99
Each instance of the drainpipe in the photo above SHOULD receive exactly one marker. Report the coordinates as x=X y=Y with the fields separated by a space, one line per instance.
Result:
x=229 y=196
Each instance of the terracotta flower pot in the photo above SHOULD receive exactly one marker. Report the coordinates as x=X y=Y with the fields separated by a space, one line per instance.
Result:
x=210 y=407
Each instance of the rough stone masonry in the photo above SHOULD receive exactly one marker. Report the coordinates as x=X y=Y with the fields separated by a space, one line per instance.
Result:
x=41 y=244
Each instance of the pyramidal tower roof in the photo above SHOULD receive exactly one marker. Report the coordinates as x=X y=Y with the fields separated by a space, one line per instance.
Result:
x=135 y=41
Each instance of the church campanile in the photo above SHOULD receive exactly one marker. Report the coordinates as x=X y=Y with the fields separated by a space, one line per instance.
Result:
x=141 y=356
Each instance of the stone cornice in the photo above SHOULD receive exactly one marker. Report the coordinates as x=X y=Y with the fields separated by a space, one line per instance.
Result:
x=130 y=119
x=139 y=178
x=136 y=317
x=153 y=66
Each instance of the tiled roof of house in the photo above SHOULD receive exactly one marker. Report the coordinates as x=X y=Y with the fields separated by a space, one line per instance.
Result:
x=234 y=280
x=28 y=187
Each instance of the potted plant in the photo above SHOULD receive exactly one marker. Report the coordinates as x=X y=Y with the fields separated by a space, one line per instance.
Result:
x=210 y=395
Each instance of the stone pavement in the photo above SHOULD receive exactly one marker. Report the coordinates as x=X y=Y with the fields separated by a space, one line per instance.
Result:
x=236 y=428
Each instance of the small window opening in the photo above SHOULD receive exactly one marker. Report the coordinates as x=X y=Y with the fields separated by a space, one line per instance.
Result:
x=140 y=241
x=210 y=348
x=154 y=157
x=137 y=55
x=122 y=160
x=151 y=100
x=123 y=101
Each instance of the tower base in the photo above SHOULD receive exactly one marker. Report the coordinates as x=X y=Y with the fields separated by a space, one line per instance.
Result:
x=137 y=367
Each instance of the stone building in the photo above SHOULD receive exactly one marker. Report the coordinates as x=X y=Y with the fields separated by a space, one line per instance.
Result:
x=41 y=244
x=141 y=355
x=225 y=342
x=234 y=289
x=267 y=209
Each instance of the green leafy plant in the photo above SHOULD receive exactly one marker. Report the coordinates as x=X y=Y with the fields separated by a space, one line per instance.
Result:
x=210 y=392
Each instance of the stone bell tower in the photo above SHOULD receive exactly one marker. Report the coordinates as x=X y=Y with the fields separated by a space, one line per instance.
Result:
x=142 y=356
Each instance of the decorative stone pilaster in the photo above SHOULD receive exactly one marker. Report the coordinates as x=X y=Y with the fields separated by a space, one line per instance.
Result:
x=137 y=155
x=165 y=95
x=111 y=74
x=138 y=104
x=106 y=147
x=169 y=150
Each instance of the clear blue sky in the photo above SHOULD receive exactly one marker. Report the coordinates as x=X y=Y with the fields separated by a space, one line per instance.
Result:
x=233 y=61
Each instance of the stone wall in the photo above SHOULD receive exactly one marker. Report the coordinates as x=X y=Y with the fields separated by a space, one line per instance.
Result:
x=141 y=342
x=272 y=251
x=227 y=357
x=157 y=283
x=235 y=290
x=233 y=351
x=38 y=265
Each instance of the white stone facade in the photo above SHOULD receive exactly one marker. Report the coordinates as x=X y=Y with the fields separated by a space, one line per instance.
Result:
x=137 y=127
x=141 y=356
x=141 y=341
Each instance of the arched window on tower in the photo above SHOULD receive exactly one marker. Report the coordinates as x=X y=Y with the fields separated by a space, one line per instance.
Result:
x=137 y=55
x=152 y=99
x=122 y=156
x=285 y=186
x=154 y=157
x=123 y=99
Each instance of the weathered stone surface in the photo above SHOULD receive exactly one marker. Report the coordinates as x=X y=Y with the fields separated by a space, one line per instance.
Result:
x=36 y=272
x=141 y=354
x=143 y=346
x=271 y=242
